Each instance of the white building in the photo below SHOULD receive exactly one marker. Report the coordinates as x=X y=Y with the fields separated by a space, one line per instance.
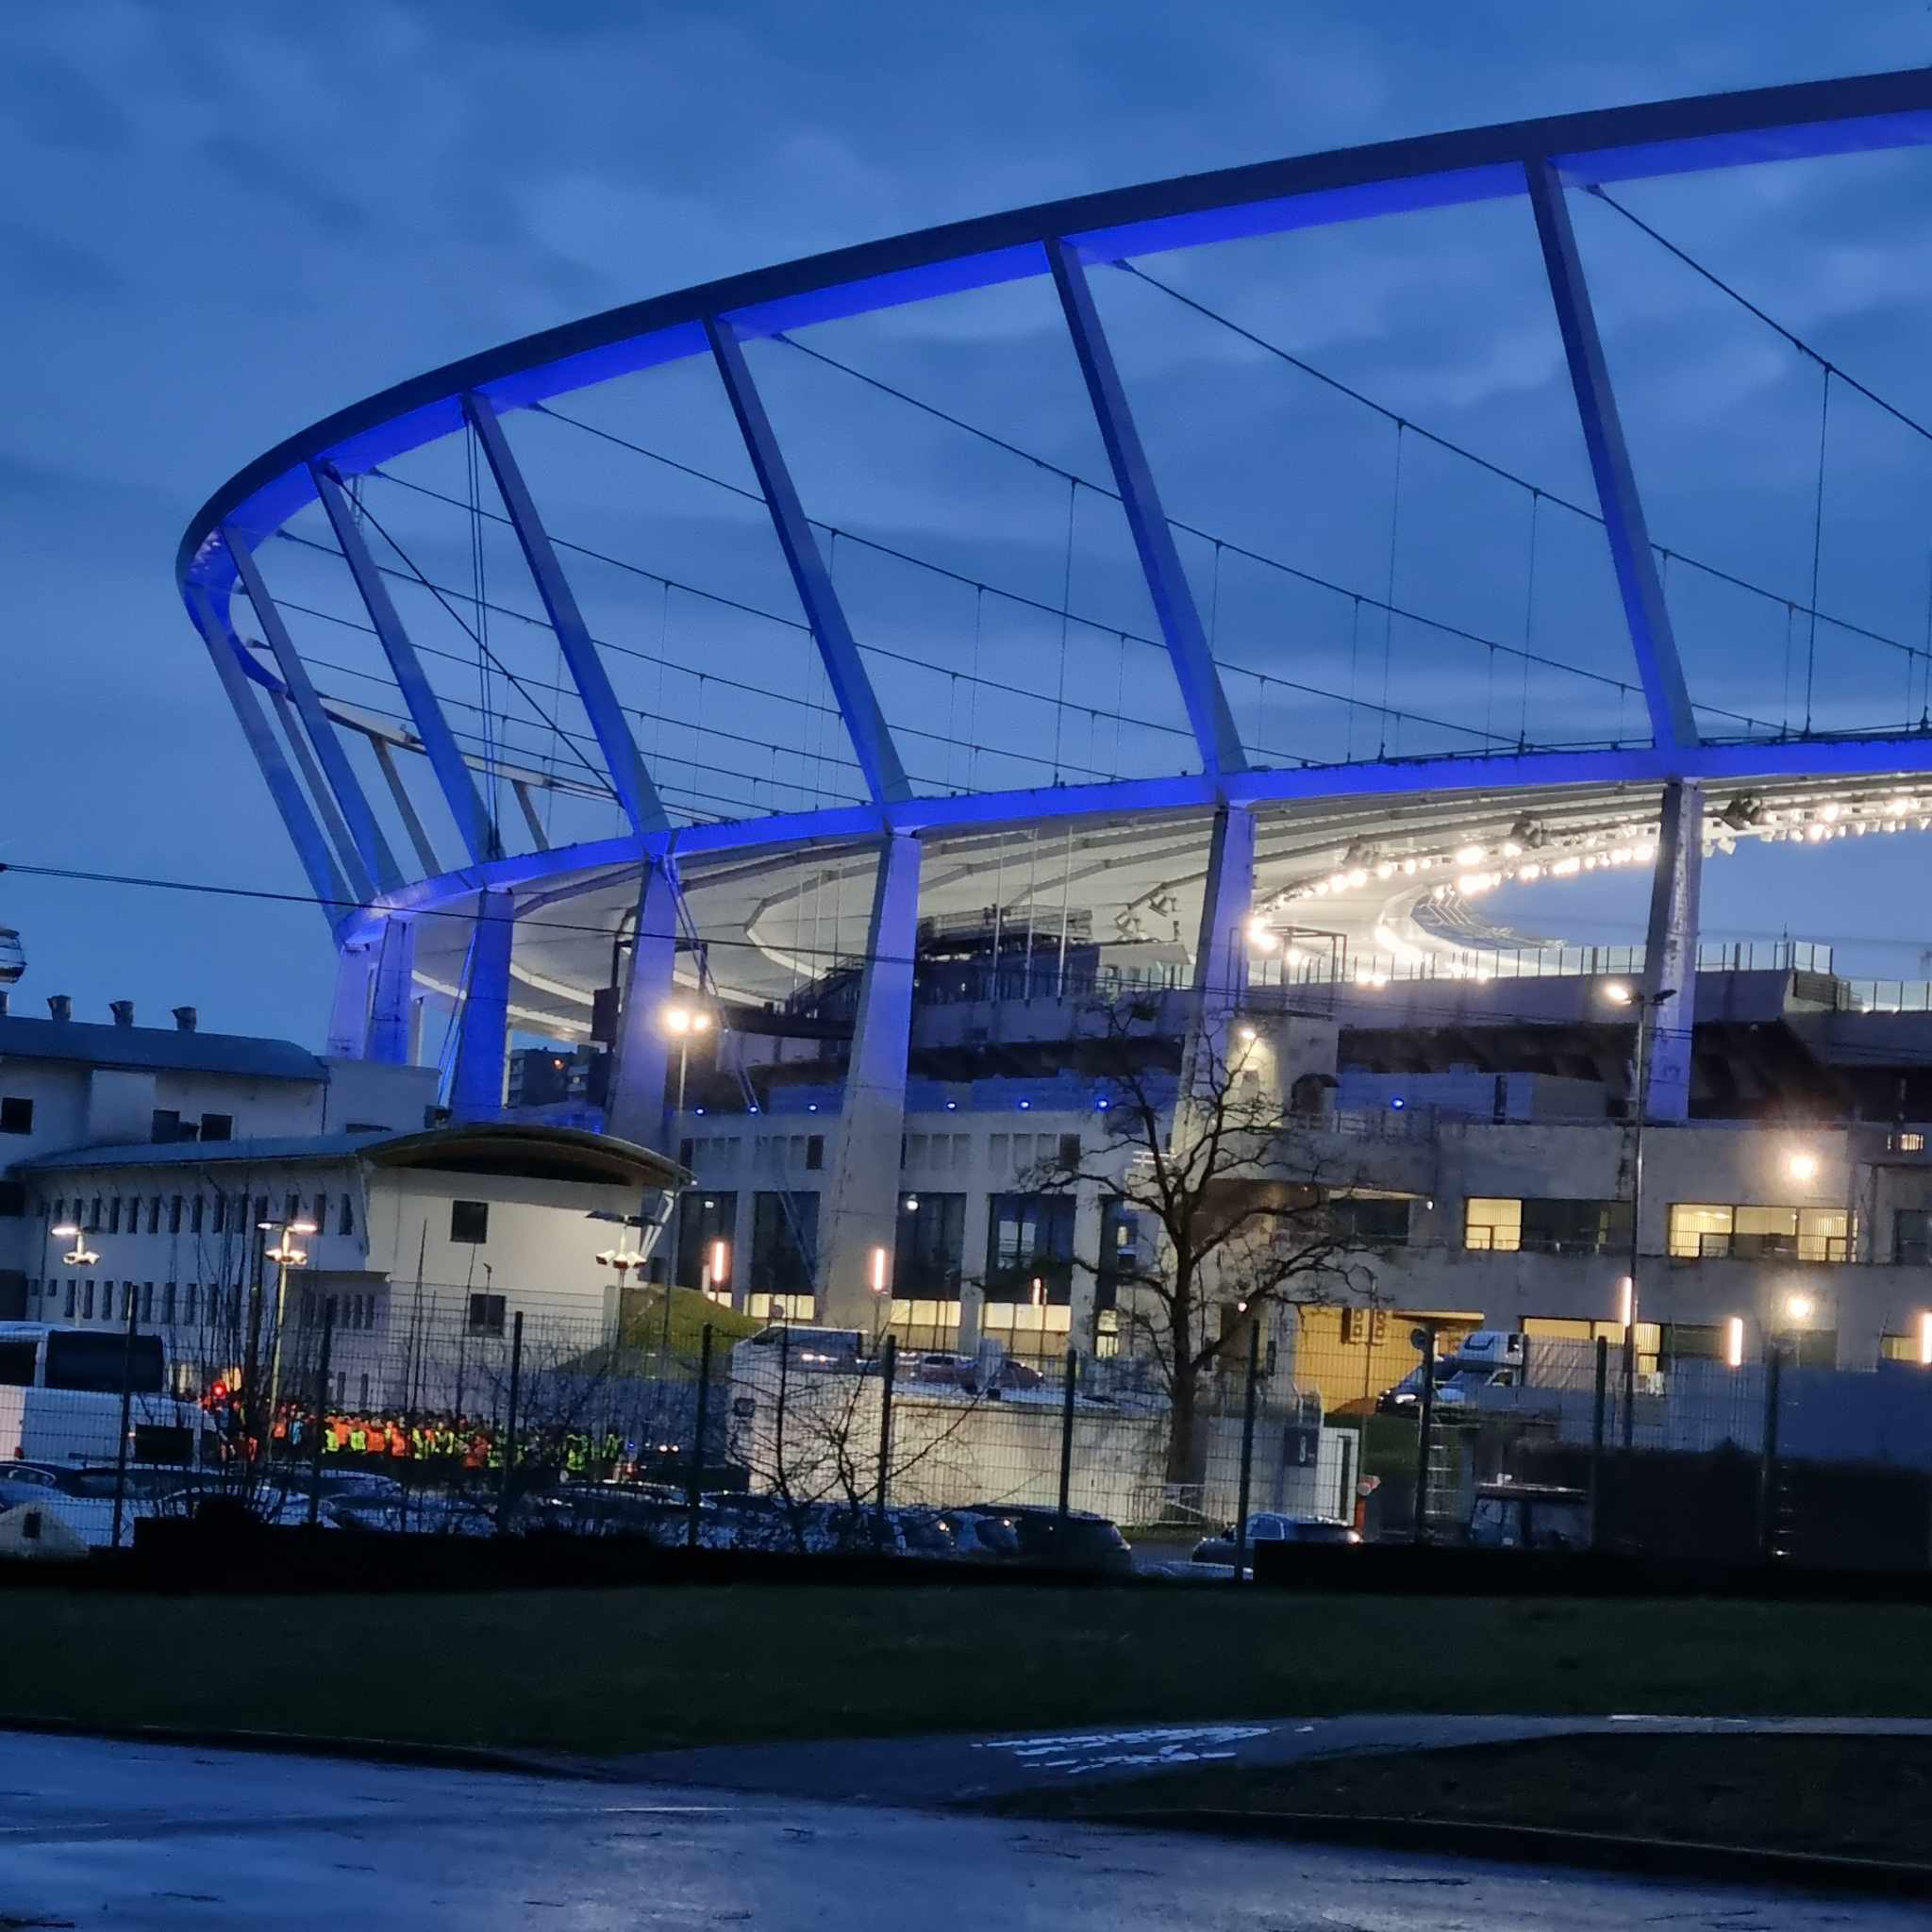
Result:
x=169 y=1150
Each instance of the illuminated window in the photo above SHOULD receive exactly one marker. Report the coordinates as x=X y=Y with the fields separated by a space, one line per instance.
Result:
x=1493 y=1223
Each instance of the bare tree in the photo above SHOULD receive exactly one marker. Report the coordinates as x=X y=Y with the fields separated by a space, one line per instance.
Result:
x=1237 y=1185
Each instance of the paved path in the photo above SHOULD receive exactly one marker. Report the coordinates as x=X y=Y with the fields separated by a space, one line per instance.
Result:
x=97 y=1835
x=960 y=1769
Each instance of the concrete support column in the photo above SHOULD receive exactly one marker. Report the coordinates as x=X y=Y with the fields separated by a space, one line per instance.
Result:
x=348 y=1019
x=392 y=1007
x=972 y=1257
x=1670 y=959
x=483 y=1028
x=861 y=1204
x=1089 y=1207
x=1221 y=951
x=634 y=1110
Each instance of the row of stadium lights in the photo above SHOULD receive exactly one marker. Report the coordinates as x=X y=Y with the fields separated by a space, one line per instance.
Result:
x=1808 y=825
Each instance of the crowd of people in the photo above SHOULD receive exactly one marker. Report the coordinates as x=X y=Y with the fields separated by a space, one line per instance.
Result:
x=441 y=1445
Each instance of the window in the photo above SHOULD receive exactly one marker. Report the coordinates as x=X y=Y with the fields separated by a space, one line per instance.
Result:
x=1030 y=1248
x=1911 y=1238
x=486 y=1315
x=218 y=1126
x=1492 y=1223
x=67 y=1307
x=99 y=1364
x=293 y=1207
x=188 y=1301
x=814 y=1152
x=930 y=1250
x=1704 y=1230
x=469 y=1221
x=1119 y=1251
x=219 y=1220
x=94 y=1215
x=13 y=1200
x=1691 y=1342
x=164 y=1126
x=175 y=1215
x=87 y=1300
x=60 y=1215
x=115 y=1215
x=1371 y=1220
x=167 y=1303
x=1070 y=1150
x=1549 y=1226
x=703 y=1217
x=347 y=1223
x=154 y=1215
x=16 y=1114
x=784 y=1243
x=321 y=1215
x=148 y=1300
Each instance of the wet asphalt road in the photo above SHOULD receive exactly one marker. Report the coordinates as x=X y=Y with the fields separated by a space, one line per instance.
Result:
x=104 y=1835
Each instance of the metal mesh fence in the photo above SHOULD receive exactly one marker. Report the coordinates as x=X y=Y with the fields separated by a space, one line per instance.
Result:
x=679 y=1422
x=684 y=1424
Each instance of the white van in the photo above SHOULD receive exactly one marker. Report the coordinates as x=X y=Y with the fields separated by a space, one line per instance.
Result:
x=60 y=1397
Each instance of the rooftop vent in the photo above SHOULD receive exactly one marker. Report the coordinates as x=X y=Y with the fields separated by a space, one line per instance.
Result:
x=186 y=1018
x=60 y=1006
x=122 y=1011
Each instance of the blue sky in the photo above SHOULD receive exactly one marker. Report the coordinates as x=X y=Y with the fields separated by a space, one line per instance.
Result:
x=223 y=222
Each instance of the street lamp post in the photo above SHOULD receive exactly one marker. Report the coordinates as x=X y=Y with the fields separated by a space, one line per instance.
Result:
x=1648 y=1004
x=283 y=1252
x=680 y=1021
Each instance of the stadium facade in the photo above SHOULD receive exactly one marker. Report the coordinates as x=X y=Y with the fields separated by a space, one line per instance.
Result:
x=897 y=917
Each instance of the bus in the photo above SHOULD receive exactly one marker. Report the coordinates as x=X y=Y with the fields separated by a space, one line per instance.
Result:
x=60 y=1390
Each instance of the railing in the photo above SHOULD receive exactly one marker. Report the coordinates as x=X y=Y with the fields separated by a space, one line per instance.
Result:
x=1883 y=996
x=1705 y=1246
x=1478 y=964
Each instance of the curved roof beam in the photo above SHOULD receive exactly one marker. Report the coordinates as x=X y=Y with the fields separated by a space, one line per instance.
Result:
x=1856 y=114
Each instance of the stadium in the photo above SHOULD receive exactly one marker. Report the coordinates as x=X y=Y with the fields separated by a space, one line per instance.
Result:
x=694 y=661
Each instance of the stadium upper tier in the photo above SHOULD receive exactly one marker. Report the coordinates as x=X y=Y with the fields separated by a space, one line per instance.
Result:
x=656 y=587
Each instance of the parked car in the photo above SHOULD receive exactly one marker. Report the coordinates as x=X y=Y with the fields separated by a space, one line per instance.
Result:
x=1271 y=1526
x=1529 y=1516
x=659 y=1512
x=428 y=1513
x=1080 y=1540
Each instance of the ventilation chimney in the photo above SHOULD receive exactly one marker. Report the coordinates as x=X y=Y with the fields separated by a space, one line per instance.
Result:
x=3 y=1002
x=122 y=1011
x=186 y=1018
x=60 y=1006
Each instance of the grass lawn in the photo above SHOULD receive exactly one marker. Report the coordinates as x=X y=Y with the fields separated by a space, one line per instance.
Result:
x=1848 y=1797
x=623 y=1670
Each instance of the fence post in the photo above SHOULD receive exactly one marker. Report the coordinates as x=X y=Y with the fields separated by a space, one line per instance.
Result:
x=1596 y=1438
x=127 y=1407
x=1425 y=1338
x=695 y=1481
x=328 y=1329
x=1767 y=1475
x=1072 y=1377
x=778 y=1426
x=889 y=1368
x=1241 y=1514
x=509 y=1433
